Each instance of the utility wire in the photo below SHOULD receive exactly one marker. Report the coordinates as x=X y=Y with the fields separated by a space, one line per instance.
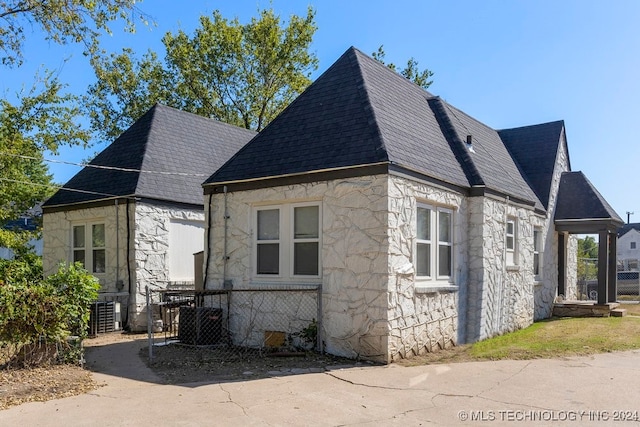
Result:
x=88 y=165
x=56 y=187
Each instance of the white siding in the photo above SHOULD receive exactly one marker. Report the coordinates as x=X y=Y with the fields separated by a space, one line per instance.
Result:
x=185 y=239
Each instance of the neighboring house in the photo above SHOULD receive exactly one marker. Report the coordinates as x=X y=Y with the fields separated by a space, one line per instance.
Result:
x=424 y=227
x=629 y=247
x=27 y=222
x=137 y=218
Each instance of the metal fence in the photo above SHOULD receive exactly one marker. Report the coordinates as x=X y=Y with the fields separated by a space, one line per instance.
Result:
x=236 y=323
x=628 y=279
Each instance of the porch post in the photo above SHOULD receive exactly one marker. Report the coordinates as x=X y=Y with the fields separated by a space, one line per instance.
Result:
x=562 y=262
x=603 y=266
x=613 y=267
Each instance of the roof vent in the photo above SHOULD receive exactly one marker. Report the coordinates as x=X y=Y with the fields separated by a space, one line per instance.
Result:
x=470 y=144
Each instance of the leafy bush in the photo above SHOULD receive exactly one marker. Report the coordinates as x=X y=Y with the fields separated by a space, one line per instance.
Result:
x=37 y=315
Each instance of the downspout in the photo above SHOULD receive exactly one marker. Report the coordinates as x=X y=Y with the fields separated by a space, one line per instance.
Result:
x=128 y=261
x=226 y=227
x=117 y=246
x=208 y=244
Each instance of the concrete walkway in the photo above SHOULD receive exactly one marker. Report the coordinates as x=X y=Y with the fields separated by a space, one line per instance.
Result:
x=599 y=390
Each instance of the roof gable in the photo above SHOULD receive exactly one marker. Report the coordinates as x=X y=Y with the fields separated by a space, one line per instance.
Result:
x=167 y=150
x=535 y=148
x=626 y=228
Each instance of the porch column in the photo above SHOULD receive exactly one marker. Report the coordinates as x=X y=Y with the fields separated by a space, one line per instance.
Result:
x=613 y=267
x=562 y=263
x=603 y=266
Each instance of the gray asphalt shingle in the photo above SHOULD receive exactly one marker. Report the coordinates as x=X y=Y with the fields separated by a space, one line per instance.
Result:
x=163 y=140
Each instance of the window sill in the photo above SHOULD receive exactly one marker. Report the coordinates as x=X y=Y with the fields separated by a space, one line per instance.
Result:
x=513 y=268
x=432 y=289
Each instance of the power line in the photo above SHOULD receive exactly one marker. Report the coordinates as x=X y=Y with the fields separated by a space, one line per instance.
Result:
x=88 y=165
x=56 y=187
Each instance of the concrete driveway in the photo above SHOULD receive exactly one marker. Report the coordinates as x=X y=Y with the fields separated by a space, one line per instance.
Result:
x=598 y=390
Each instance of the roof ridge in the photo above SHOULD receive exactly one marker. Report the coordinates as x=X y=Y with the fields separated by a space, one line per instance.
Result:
x=455 y=142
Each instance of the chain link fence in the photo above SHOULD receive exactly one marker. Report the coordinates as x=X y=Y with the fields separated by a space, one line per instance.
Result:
x=628 y=279
x=236 y=323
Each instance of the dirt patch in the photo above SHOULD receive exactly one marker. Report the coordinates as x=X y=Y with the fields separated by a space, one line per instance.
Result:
x=177 y=364
x=19 y=386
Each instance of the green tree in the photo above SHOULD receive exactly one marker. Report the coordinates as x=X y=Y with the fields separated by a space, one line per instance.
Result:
x=61 y=21
x=240 y=74
x=44 y=119
x=587 y=258
x=411 y=71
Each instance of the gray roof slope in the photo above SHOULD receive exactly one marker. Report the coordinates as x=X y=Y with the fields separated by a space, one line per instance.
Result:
x=628 y=227
x=493 y=161
x=162 y=140
x=535 y=149
x=360 y=112
x=579 y=199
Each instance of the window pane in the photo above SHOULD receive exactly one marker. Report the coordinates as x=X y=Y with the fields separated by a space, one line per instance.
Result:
x=536 y=240
x=268 y=258
x=97 y=236
x=78 y=236
x=536 y=264
x=269 y=224
x=78 y=256
x=305 y=259
x=99 y=261
x=444 y=226
x=423 y=259
x=510 y=227
x=444 y=260
x=305 y=222
x=510 y=242
x=424 y=224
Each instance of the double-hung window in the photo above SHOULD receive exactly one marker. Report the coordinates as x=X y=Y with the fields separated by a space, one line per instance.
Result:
x=89 y=247
x=434 y=243
x=287 y=241
x=511 y=235
x=537 y=250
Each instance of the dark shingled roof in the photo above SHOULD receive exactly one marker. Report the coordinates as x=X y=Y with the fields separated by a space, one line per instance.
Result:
x=162 y=140
x=579 y=199
x=359 y=112
x=535 y=149
x=628 y=227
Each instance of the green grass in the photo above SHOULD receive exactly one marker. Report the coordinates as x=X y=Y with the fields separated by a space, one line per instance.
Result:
x=556 y=337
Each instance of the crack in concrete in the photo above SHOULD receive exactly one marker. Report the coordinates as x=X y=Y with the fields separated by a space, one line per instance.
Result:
x=362 y=384
x=230 y=400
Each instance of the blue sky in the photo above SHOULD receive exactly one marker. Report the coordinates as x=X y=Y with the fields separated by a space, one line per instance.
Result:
x=506 y=63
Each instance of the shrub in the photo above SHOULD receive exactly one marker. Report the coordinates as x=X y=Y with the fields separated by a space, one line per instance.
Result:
x=37 y=316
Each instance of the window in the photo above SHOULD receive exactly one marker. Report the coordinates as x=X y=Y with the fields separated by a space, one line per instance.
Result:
x=89 y=247
x=511 y=241
x=537 y=249
x=434 y=243
x=633 y=245
x=287 y=242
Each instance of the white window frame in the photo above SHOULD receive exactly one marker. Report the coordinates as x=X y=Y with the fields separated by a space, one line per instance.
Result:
x=538 y=251
x=434 y=277
x=286 y=241
x=88 y=247
x=511 y=250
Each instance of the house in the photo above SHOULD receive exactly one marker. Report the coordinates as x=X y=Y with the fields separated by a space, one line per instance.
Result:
x=28 y=221
x=423 y=226
x=135 y=215
x=629 y=246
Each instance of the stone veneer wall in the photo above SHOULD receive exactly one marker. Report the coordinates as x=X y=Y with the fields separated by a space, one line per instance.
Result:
x=57 y=240
x=151 y=252
x=355 y=270
x=423 y=317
